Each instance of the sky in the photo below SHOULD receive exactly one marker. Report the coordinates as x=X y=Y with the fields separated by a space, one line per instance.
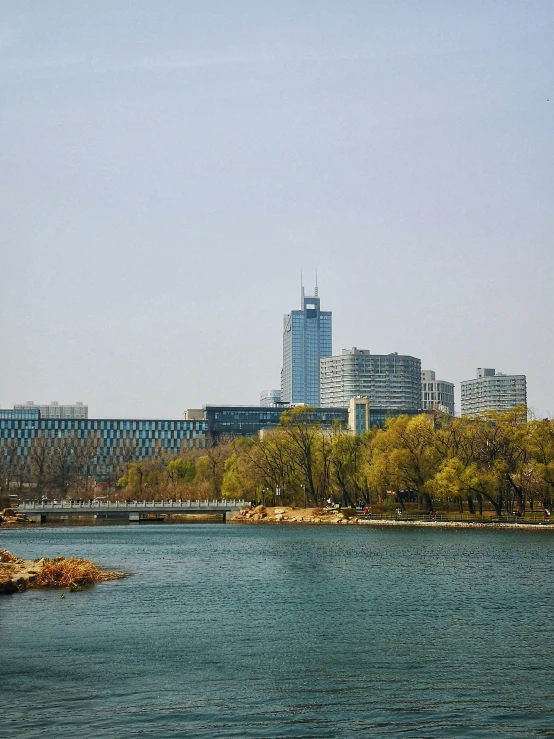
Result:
x=167 y=170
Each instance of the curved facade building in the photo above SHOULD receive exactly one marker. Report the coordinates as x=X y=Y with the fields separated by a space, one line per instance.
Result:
x=390 y=381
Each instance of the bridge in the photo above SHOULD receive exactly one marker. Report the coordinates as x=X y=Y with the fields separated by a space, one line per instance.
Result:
x=131 y=510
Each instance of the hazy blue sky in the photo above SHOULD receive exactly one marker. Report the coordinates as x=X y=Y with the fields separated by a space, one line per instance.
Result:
x=167 y=169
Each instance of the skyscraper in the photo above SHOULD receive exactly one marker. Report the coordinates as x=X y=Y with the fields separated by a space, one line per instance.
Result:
x=307 y=338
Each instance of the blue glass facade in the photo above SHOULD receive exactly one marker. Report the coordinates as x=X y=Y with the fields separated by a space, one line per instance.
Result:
x=307 y=337
x=379 y=416
x=248 y=420
x=116 y=441
x=360 y=419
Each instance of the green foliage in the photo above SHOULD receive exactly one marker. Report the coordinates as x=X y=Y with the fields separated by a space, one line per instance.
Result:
x=182 y=470
x=233 y=485
x=203 y=467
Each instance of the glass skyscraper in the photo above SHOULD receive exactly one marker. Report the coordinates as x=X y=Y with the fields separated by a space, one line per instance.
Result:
x=307 y=337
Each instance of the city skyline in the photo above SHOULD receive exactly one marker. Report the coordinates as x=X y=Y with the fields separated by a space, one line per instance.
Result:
x=308 y=303
x=168 y=171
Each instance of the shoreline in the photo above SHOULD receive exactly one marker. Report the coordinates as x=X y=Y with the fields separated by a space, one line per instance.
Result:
x=282 y=515
x=320 y=517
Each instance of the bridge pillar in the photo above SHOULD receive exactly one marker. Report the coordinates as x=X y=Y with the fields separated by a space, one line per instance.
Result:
x=135 y=516
x=37 y=517
x=224 y=514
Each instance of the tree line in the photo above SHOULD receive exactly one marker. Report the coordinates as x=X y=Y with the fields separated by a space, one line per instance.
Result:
x=499 y=461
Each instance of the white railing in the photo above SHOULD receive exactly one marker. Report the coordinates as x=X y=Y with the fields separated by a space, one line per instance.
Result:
x=133 y=504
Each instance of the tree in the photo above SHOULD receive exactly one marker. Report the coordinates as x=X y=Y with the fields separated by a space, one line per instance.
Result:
x=9 y=463
x=133 y=478
x=210 y=466
x=181 y=470
x=308 y=449
x=500 y=456
x=62 y=462
x=346 y=465
x=268 y=461
x=405 y=459
x=541 y=448
x=40 y=462
x=457 y=476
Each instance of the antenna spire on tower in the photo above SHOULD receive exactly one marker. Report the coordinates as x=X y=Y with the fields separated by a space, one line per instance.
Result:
x=316 y=283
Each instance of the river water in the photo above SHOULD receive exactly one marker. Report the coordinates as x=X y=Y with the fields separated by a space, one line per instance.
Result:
x=283 y=631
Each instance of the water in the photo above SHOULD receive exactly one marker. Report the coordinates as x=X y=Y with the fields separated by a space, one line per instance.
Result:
x=274 y=631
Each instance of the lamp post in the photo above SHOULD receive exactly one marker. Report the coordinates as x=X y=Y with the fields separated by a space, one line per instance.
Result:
x=304 y=489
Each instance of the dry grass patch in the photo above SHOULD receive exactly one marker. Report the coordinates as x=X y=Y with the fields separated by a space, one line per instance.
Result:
x=72 y=573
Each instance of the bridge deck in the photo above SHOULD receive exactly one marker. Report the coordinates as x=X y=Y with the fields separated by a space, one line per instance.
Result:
x=76 y=508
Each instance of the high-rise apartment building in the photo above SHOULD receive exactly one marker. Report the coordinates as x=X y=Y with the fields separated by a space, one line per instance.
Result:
x=492 y=391
x=436 y=394
x=307 y=337
x=55 y=410
x=390 y=381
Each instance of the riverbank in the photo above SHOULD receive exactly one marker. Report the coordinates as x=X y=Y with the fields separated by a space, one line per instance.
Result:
x=322 y=516
x=17 y=574
x=285 y=515
x=9 y=517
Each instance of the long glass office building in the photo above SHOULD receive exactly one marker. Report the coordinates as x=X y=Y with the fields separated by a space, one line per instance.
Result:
x=245 y=420
x=307 y=338
x=111 y=442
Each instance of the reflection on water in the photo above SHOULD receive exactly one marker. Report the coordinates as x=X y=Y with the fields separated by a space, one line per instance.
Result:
x=228 y=631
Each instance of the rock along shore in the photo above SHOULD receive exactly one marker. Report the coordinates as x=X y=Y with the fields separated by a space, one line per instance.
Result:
x=17 y=574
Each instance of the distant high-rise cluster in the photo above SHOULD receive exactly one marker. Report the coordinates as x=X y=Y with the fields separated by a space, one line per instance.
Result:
x=393 y=383
x=356 y=390
x=55 y=410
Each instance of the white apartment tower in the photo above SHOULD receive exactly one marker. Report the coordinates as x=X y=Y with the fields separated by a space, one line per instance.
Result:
x=436 y=394
x=492 y=391
x=390 y=381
